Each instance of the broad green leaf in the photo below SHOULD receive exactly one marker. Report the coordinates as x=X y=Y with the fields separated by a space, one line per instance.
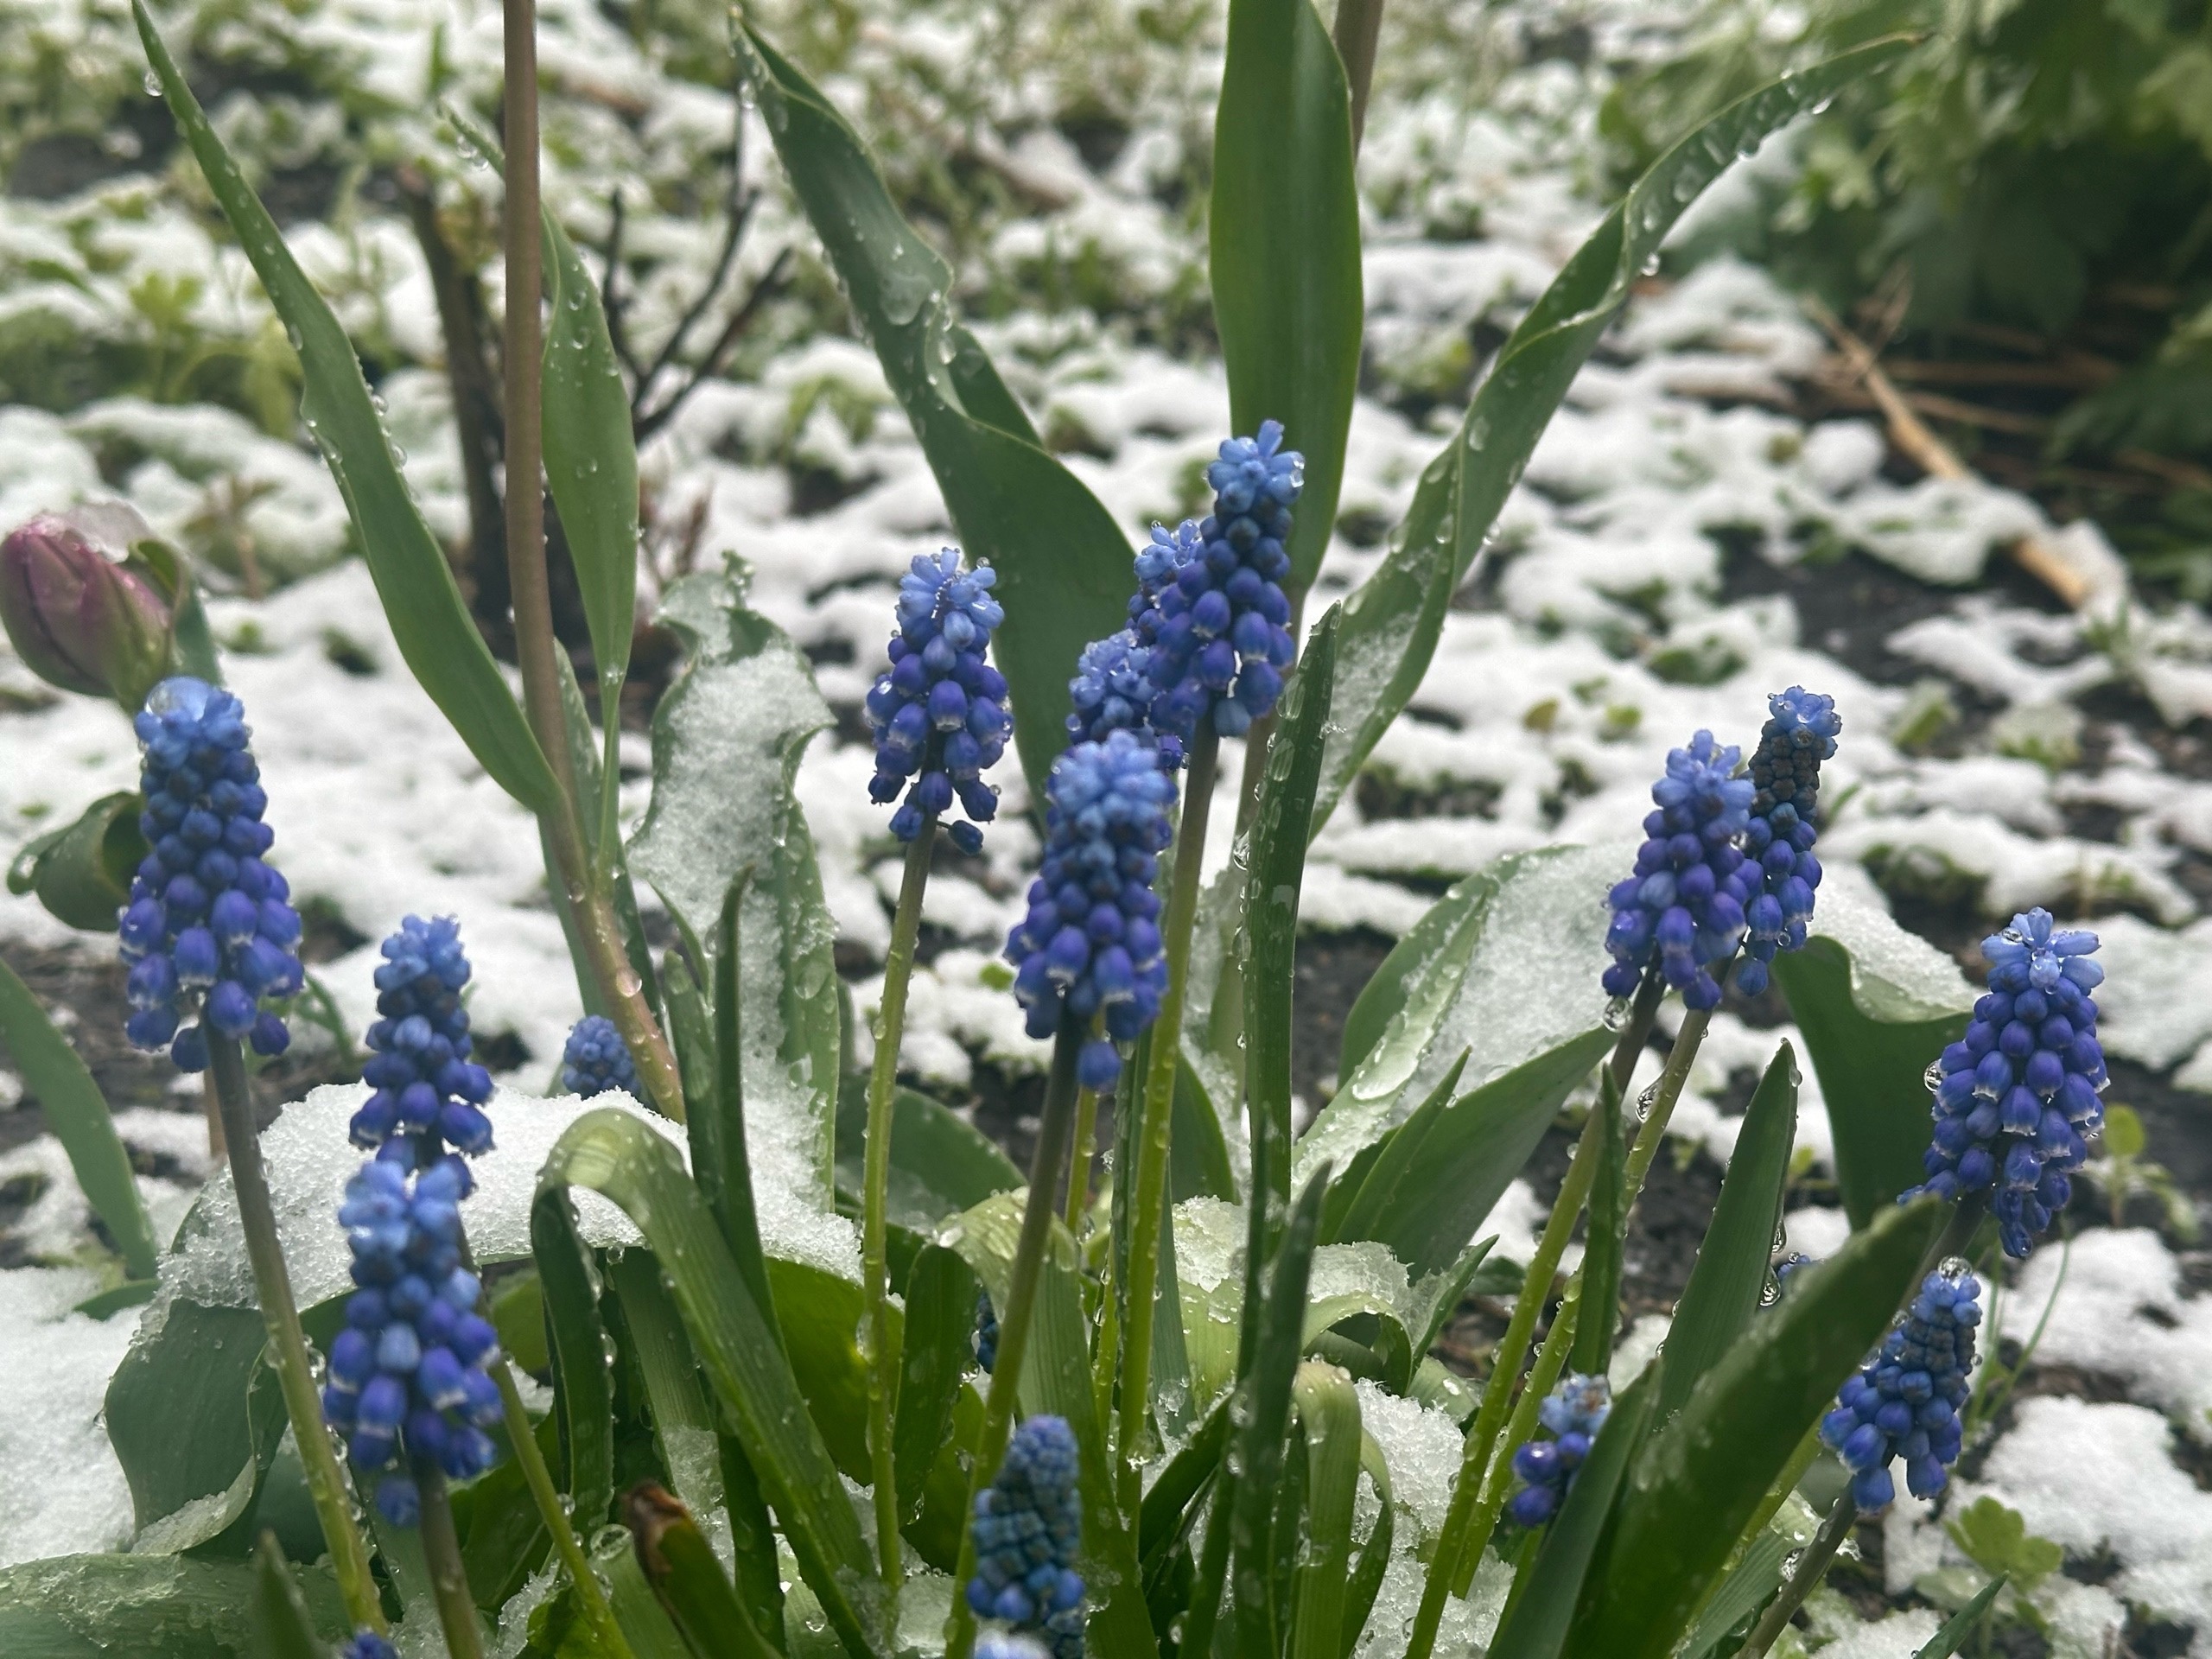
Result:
x=1997 y=1539
x=728 y=738
x=1064 y=571
x=81 y=873
x=1198 y=1154
x=146 y=1606
x=1743 y=1592
x=1512 y=973
x=1699 y=1479
x=1283 y=248
x=429 y=623
x=936 y=1353
x=679 y=1564
x=1278 y=839
x=1877 y=1005
x=647 y=1630
x=1960 y=1625
x=76 y=1113
x=941 y=1164
x=1056 y=1378
x=1446 y=1168
x=1328 y=1414
x=282 y=1626
x=721 y=1161
x=1536 y=1625
x=583 y=1389
x=1212 y=1073
x=194 y=1420
x=1731 y=1271
x=682 y=1419
x=1606 y=1236
x=614 y=1153
x=1392 y=621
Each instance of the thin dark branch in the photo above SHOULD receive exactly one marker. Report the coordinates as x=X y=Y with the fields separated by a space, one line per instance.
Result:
x=610 y=300
x=737 y=213
x=644 y=425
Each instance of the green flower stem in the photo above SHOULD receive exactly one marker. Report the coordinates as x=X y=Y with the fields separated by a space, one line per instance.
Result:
x=1086 y=1129
x=1358 y=27
x=1147 y=1200
x=1054 y=1132
x=590 y=898
x=875 y=1271
x=590 y=1593
x=1543 y=1377
x=288 y=1346
x=1665 y=1093
x=1799 y=1584
x=448 y=1577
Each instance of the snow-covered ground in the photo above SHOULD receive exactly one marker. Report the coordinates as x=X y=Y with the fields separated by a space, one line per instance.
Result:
x=1558 y=686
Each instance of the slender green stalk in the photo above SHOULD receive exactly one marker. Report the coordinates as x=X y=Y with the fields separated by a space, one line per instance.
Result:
x=288 y=1346
x=876 y=1275
x=1086 y=1129
x=589 y=894
x=1147 y=1200
x=457 y=1613
x=1664 y=1094
x=1359 y=26
x=1054 y=1131
x=1799 y=1584
x=1543 y=1377
x=591 y=1595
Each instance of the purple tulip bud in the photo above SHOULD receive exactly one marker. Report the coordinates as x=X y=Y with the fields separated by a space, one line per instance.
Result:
x=85 y=611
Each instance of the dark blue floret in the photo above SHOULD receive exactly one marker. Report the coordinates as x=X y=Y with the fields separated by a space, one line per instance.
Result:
x=1090 y=942
x=1904 y=1402
x=2014 y=1096
x=208 y=932
x=1574 y=1411
x=1210 y=611
x=406 y=1374
x=940 y=712
x=985 y=1339
x=1028 y=1532
x=595 y=1060
x=1112 y=690
x=368 y=1645
x=429 y=1095
x=1683 y=909
x=1801 y=732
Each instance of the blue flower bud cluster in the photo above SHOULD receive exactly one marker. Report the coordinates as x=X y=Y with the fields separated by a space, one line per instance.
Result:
x=1683 y=909
x=1028 y=1534
x=407 y=1372
x=1210 y=609
x=1801 y=732
x=986 y=1339
x=208 y=932
x=940 y=713
x=1112 y=691
x=429 y=1095
x=595 y=1060
x=1090 y=942
x=368 y=1645
x=2014 y=1096
x=1904 y=1403
x=1574 y=1411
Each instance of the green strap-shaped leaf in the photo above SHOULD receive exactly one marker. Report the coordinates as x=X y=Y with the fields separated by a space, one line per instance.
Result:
x=1743 y=1592
x=936 y=1352
x=76 y=1113
x=1392 y=621
x=583 y=1391
x=941 y=1164
x=1328 y=1413
x=1607 y=1237
x=147 y=1607
x=615 y=1154
x=1732 y=1272
x=1375 y=1555
x=428 y=620
x=683 y=1420
x=1064 y=565
x=1699 y=1480
x=282 y=1626
x=679 y=1564
x=1960 y=1625
x=1283 y=248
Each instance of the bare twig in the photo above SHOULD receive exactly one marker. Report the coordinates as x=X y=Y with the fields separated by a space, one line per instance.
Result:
x=771 y=283
x=610 y=300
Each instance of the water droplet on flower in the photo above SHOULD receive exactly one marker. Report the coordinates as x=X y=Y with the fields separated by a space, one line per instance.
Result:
x=1932 y=1079
x=1616 y=1014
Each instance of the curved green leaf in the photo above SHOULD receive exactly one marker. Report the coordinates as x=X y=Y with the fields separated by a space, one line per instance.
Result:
x=1283 y=247
x=429 y=623
x=282 y=1626
x=1392 y=621
x=147 y=1607
x=680 y=1565
x=1699 y=1480
x=936 y=1352
x=1328 y=1413
x=1960 y=1625
x=614 y=1153
x=1065 y=566
x=1606 y=1236
x=583 y=1387
x=76 y=1113
x=941 y=1164
x=82 y=872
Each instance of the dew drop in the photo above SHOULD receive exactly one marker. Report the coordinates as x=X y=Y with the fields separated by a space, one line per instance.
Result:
x=1932 y=1079
x=153 y=85
x=1646 y=1101
x=1616 y=1015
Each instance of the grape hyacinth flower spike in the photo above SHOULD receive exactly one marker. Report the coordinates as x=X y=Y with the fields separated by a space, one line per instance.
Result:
x=1574 y=1412
x=1210 y=609
x=940 y=710
x=1091 y=944
x=2016 y=1095
x=595 y=1060
x=1112 y=691
x=368 y=1645
x=1683 y=909
x=208 y=932
x=429 y=1095
x=1028 y=1534
x=1905 y=1402
x=1799 y=733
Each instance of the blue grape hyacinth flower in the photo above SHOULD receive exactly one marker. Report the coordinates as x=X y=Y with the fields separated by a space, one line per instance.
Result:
x=1028 y=1532
x=1905 y=1402
x=429 y=1095
x=1210 y=607
x=368 y=1645
x=940 y=711
x=1112 y=691
x=406 y=1374
x=209 y=933
x=1090 y=944
x=1574 y=1411
x=1683 y=909
x=595 y=1060
x=985 y=1339
x=1801 y=732
x=2018 y=1094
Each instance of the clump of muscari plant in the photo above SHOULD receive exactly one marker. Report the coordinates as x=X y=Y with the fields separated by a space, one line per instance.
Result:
x=1028 y=1532
x=595 y=1060
x=1905 y=1402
